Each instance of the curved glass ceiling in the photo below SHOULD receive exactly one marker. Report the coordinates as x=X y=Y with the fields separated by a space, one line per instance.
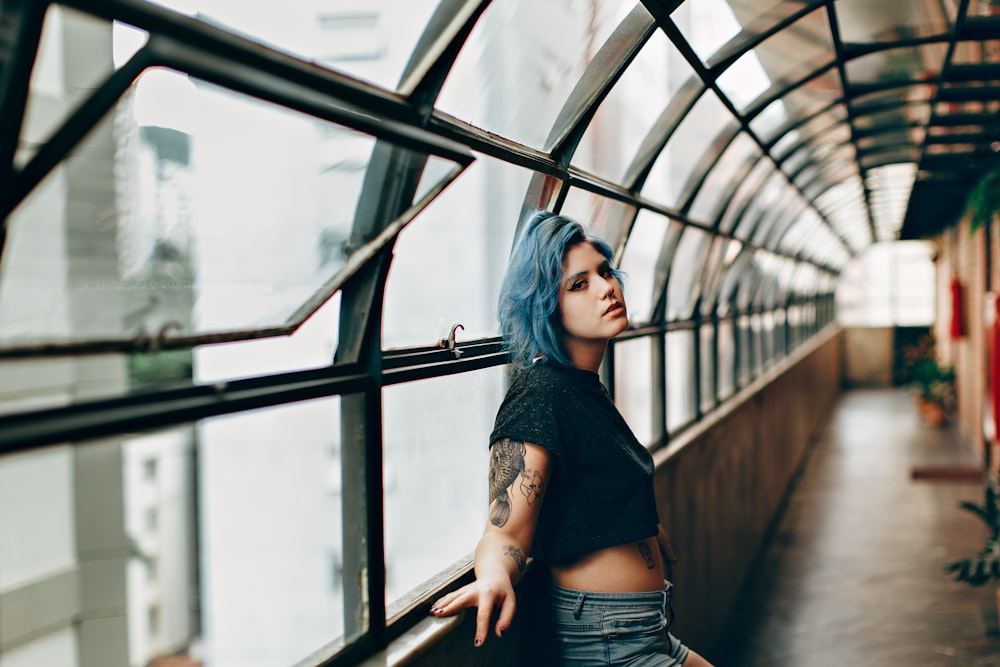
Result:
x=801 y=131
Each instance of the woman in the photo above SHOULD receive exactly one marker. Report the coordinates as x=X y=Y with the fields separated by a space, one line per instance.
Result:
x=569 y=482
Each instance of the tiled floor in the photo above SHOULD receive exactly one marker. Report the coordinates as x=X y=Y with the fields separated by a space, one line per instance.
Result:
x=853 y=575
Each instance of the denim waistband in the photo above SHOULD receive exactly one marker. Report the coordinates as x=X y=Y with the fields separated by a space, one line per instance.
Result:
x=568 y=598
x=572 y=597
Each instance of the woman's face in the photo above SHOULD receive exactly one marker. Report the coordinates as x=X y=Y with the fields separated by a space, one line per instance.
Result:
x=591 y=303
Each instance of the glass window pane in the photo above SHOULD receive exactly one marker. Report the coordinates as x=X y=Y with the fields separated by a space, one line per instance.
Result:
x=273 y=517
x=709 y=24
x=467 y=231
x=805 y=101
x=512 y=78
x=897 y=64
x=727 y=359
x=436 y=458
x=697 y=134
x=55 y=90
x=889 y=284
x=767 y=338
x=746 y=351
x=747 y=189
x=768 y=198
x=757 y=343
x=176 y=229
x=786 y=57
x=634 y=386
x=680 y=363
x=707 y=367
x=608 y=218
x=653 y=237
x=353 y=36
x=611 y=141
x=200 y=534
x=685 y=282
x=725 y=176
x=865 y=21
x=724 y=253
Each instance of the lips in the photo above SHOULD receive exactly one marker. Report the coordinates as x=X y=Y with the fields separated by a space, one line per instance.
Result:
x=614 y=308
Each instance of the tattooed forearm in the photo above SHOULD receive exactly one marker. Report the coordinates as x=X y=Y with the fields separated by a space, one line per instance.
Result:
x=647 y=555
x=506 y=463
x=517 y=556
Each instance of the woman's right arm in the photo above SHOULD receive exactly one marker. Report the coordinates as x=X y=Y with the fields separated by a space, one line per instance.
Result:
x=519 y=473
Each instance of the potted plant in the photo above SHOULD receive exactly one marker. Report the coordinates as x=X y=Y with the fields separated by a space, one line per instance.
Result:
x=983 y=201
x=933 y=382
x=983 y=566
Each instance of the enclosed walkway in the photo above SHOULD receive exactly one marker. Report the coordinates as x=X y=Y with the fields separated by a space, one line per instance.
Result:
x=853 y=571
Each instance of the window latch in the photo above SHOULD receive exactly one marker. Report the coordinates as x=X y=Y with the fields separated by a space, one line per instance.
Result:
x=449 y=342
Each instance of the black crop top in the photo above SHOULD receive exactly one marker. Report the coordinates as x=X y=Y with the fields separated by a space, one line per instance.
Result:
x=601 y=484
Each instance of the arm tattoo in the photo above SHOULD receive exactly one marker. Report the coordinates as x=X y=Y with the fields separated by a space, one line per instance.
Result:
x=517 y=556
x=506 y=463
x=531 y=485
x=647 y=555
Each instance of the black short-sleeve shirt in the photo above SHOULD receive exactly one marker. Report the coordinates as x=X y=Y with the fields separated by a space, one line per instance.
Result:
x=600 y=491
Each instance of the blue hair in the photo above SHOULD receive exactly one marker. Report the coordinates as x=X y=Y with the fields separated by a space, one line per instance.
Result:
x=529 y=295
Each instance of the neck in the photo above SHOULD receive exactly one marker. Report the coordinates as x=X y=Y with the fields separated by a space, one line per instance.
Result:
x=587 y=357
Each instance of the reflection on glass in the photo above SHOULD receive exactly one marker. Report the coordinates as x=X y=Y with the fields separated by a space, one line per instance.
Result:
x=766 y=199
x=685 y=282
x=745 y=342
x=747 y=188
x=183 y=541
x=682 y=395
x=727 y=359
x=610 y=143
x=273 y=491
x=897 y=64
x=512 y=41
x=436 y=458
x=974 y=53
x=889 y=192
x=371 y=41
x=709 y=24
x=738 y=159
x=634 y=386
x=204 y=211
x=467 y=231
x=865 y=21
x=652 y=239
x=786 y=57
x=55 y=89
x=707 y=362
x=702 y=130
x=724 y=252
x=608 y=218
x=745 y=80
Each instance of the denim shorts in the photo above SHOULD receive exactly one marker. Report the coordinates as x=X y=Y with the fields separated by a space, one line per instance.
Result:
x=593 y=629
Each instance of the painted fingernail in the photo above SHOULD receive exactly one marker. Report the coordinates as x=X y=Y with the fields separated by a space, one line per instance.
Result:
x=478 y=642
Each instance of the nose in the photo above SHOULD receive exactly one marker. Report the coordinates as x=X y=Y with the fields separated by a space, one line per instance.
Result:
x=609 y=284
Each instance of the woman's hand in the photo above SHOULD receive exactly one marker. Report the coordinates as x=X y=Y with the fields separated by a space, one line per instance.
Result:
x=485 y=595
x=519 y=473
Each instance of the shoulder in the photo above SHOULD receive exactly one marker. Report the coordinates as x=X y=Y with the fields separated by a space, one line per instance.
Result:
x=539 y=380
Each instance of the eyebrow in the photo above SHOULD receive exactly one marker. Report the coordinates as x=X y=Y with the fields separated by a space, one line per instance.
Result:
x=582 y=274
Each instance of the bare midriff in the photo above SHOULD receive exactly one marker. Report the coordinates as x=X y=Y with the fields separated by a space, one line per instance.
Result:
x=634 y=567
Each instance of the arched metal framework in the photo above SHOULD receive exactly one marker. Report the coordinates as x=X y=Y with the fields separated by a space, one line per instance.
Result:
x=862 y=111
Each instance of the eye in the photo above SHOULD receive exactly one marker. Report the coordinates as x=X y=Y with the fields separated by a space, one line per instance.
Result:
x=605 y=270
x=577 y=285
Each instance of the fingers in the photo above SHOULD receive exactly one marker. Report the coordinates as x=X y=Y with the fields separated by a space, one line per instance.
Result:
x=485 y=601
x=506 y=615
x=482 y=623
